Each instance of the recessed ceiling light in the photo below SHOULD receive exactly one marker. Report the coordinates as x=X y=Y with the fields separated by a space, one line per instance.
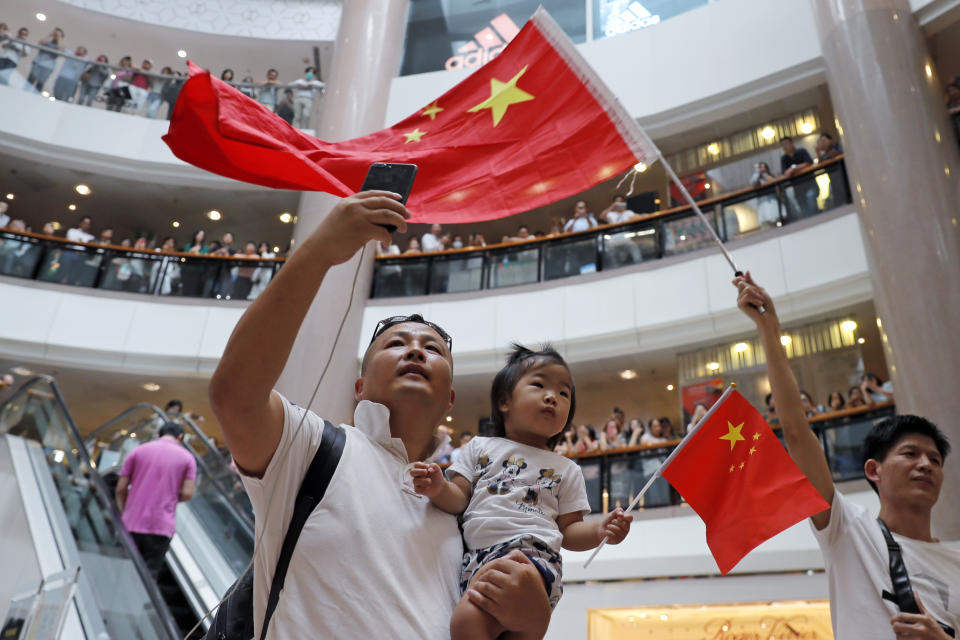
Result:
x=45 y=94
x=713 y=149
x=10 y=196
x=656 y=201
x=22 y=371
x=628 y=374
x=151 y=386
x=82 y=189
x=860 y=340
x=42 y=17
x=176 y=224
x=740 y=347
x=713 y=366
x=214 y=215
x=849 y=326
x=785 y=340
x=640 y=167
x=276 y=249
x=51 y=99
x=670 y=387
x=181 y=53
x=768 y=133
x=449 y=418
x=706 y=186
x=286 y=217
x=806 y=128
x=72 y=207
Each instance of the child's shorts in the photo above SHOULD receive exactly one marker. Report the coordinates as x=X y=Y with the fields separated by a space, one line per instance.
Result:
x=545 y=559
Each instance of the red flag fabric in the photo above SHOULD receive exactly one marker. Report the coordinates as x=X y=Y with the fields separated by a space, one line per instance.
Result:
x=741 y=481
x=530 y=127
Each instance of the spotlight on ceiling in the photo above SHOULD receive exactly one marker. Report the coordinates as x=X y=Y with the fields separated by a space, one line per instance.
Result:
x=806 y=128
x=10 y=196
x=628 y=374
x=849 y=326
x=713 y=366
x=286 y=217
x=151 y=386
x=175 y=224
x=82 y=189
x=670 y=387
x=785 y=340
x=72 y=207
x=768 y=133
x=181 y=53
x=640 y=167
x=713 y=149
x=42 y=17
x=214 y=215
x=740 y=347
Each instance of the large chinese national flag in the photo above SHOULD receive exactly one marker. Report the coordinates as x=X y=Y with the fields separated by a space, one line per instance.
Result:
x=532 y=126
x=741 y=481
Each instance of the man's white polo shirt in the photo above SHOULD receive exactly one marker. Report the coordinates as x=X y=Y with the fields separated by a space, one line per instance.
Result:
x=374 y=559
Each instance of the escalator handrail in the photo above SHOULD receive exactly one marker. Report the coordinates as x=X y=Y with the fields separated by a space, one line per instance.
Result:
x=153 y=591
x=239 y=513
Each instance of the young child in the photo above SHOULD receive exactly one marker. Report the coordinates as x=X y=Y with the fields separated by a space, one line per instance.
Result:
x=513 y=491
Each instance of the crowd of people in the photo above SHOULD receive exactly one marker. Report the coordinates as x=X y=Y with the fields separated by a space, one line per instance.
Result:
x=137 y=89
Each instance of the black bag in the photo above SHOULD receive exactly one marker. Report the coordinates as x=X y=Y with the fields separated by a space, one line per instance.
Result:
x=902 y=595
x=234 y=618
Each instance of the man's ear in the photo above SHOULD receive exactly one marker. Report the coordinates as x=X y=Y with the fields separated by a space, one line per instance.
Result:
x=358 y=390
x=871 y=469
x=453 y=396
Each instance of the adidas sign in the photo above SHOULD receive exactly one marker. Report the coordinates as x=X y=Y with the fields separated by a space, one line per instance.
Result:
x=486 y=44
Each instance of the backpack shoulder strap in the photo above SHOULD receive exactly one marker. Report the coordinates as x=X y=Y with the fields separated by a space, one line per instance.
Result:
x=308 y=497
x=902 y=594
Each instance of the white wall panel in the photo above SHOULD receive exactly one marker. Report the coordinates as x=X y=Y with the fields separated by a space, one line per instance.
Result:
x=763 y=260
x=530 y=317
x=27 y=314
x=812 y=259
x=672 y=293
x=217 y=329
x=602 y=306
x=162 y=329
x=91 y=322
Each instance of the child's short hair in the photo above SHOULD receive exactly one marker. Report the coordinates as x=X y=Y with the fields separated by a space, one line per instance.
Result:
x=887 y=432
x=520 y=361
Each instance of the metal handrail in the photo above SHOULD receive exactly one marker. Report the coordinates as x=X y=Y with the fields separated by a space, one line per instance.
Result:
x=101 y=490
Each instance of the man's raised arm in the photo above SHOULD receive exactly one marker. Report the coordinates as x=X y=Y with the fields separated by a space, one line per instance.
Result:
x=241 y=389
x=802 y=442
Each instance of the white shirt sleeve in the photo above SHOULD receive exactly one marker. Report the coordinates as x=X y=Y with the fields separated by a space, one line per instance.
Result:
x=466 y=462
x=573 y=492
x=430 y=242
x=569 y=225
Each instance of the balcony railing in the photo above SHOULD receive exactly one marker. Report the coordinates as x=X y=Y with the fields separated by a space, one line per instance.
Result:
x=667 y=233
x=90 y=83
x=116 y=268
x=614 y=477
x=650 y=237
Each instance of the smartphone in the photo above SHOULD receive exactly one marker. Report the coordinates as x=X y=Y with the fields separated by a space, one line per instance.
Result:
x=391 y=176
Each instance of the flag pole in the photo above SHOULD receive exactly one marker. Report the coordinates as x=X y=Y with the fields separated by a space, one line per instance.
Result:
x=666 y=463
x=696 y=209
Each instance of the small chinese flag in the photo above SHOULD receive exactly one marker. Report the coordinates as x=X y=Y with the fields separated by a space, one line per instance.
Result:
x=530 y=127
x=737 y=476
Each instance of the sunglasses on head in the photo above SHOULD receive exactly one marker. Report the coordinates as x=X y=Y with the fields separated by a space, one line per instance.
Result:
x=385 y=324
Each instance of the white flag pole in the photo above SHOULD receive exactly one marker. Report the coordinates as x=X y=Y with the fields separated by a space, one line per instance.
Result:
x=696 y=209
x=666 y=463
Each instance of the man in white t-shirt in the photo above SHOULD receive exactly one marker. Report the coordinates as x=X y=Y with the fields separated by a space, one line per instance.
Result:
x=582 y=219
x=904 y=464
x=374 y=559
x=617 y=212
x=81 y=233
x=436 y=240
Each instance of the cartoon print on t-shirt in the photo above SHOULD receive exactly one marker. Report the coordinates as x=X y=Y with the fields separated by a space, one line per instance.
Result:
x=549 y=478
x=482 y=463
x=506 y=480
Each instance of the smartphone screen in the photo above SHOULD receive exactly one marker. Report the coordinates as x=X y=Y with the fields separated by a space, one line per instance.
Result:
x=390 y=176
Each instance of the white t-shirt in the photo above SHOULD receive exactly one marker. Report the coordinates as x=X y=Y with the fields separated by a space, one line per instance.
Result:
x=615 y=217
x=858 y=570
x=430 y=242
x=79 y=235
x=517 y=489
x=648 y=438
x=374 y=559
x=580 y=224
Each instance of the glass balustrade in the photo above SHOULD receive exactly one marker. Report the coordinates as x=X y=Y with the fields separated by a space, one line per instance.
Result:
x=126 y=596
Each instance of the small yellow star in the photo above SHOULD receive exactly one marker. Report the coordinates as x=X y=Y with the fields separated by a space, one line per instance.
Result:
x=756 y=436
x=431 y=111
x=741 y=464
x=753 y=450
x=733 y=435
x=731 y=468
x=414 y=136
x=502 y=95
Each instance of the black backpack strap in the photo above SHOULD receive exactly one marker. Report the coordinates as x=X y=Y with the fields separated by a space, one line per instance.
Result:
x=311 y=492
x=902 y=595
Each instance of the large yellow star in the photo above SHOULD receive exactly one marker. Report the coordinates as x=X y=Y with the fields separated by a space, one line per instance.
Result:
x=502 y=95
x=733 y=435
x=414 y=136
x=431 y=111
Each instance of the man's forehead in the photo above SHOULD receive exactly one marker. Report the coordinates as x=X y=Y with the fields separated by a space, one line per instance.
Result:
x=917 y=441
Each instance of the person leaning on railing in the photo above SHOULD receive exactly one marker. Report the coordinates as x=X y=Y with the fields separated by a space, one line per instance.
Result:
x=45 y=60
x=13 y=51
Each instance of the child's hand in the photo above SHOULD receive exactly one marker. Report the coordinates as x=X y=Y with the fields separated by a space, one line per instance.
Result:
x=427 y=479
x=614 y=527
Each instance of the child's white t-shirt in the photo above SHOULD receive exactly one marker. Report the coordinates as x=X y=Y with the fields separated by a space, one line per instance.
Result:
x=517 y=490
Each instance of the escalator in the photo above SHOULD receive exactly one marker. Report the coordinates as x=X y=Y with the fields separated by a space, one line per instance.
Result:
x=57 y=512
x=214 y=538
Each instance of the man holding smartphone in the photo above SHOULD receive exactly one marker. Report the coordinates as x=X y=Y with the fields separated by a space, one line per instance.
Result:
x=374 y=559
